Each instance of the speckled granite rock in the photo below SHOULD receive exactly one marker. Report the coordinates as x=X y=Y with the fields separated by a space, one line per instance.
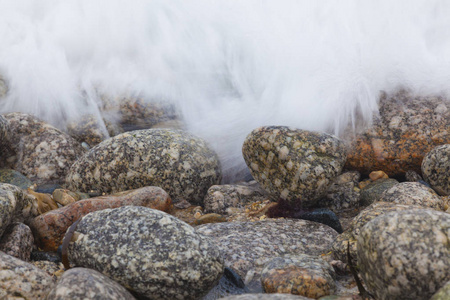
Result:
x=17 y=241
x=88 y=129
x=21 y=280
x=343 y=192
x=261 y=296
x=53 y=269
x=41 y=152
x=406 y=129
x=412 y=176
x=293 y=164
x=229 y=284
x=339 y=246
x=180 y=163
x=223 y=199
x=443 y=293
x=172 y=261
x=15 y=178
x=301 y=274
x=436 y=169
x=247 y=246
x=81 y=283
x=49 y=228
x=413 y=193
x=372 y=192
x=4 y=133
x=405 y=254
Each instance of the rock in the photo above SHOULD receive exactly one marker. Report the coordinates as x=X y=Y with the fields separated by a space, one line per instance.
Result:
x=40 y=151
x=375 y=175
x=229 y=284
x=405 y=254
x=406 y=129
x=222 y=199
x=413 y=193
x=247 y=246
x=443 y=293
x=339 y=247
x=324 y=216
x=171 y=261
x=49 y=228
x=17 y=241
x=65 y=197
x=53 y=269
x=266 y=297
x=47 y=256
x=293 y=164
x=372 y=192
x=300 y=274
x=44 y=202
x=3 y=87
x=180 y=163
x=412 y=176
x=343 y=193
x=81 y=283
x=47 y=188
x=436 y=169
x=88 y=129
x=209 y=218
x=21 y=279
x=15 y=178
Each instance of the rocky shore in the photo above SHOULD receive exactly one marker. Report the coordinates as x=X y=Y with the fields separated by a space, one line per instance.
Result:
x=143 y=214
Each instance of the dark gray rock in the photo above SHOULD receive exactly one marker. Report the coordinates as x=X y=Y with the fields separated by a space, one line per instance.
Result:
x=324 y=216
x=81 y=283
x=15 y=178
x=372 y=192
x=262 y=296
x=180 y=163
x=17 y=241
x=294 y=164
x=436 y=169
x=21 y=279
x=229 y=284
x=148 y=251
x=405 y=254
x=343 y=192
x=247 y=246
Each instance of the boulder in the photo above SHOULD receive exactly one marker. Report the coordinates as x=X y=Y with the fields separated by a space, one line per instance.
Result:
x=373 y=191
x=436 y=169
x=147 y=251
x=17 y=241
x=343 y=193
x=293 y=164
x=15 y=178
x=180 y=163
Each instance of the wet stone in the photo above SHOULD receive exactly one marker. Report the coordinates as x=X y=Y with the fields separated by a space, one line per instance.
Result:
x=247 y=246
x=229 y=284
x=372 y=192
x=443 y=293
x=45 y=255
x=304 y=275
x=436 y=169
x=343 y=192
x=15 y=178
x=294 y=164
x=21 y=279
x=17 y=241
x=81 y=283
x=180 y=163
x=88 y=129
x=172 y=261
x=413 y=193
x=49 y=228
x=405 y=254
x=262 y=296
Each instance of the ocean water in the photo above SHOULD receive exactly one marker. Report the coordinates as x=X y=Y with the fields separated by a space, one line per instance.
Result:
x=227 y=66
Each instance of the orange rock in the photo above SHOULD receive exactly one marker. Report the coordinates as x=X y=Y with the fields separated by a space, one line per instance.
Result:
x=407 y=128
x=375 y=175
x=49 y=228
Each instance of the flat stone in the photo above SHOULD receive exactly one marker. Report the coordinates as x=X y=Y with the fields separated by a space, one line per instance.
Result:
x=180 y=163
x=81 y=283
x=436 y=169
x=171 y=260
x=17 y=241
x=49 y=228
x=301 y=274
x=247 y=246
x=293 y=164
x=21 y=279
x=405 y=254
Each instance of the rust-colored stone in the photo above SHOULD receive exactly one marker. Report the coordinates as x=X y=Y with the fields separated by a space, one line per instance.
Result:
x=49 y=228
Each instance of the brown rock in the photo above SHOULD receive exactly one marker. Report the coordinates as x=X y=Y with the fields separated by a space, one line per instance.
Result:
x=408 y=127
x=375 y=175
x=49 y=228
x=45 y=202
x=65 y=197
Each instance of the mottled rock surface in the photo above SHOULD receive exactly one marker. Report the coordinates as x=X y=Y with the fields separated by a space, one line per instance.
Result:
x=372 y=192
x=443 y=293
x=405 y=254
x=343 y=192
x=229 y=284
x=88 y=129
x=180 y=163
x=266 y=297
x=40 y=151
x=171 y=260
x=293 y=164
x=247 y=246
x=301 y=274
x=49 y=228
x=81 y=283
x=223 y=199
x=21 y=280
x=17 y=241
x=436 y=169
x=406 y=129
x=15 y=178
x=413 y=193
x=339 y=246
